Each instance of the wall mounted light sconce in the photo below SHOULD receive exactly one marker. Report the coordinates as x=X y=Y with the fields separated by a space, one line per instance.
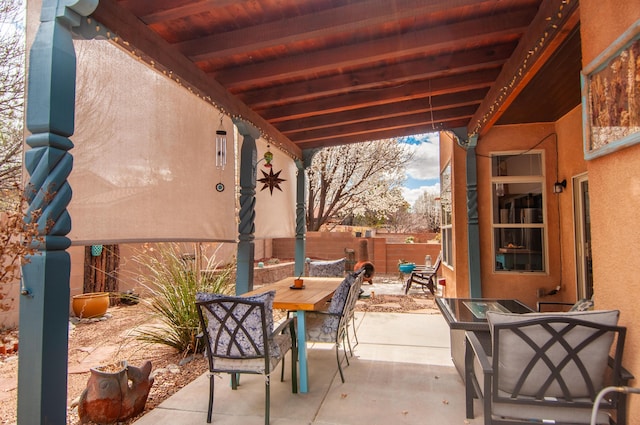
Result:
x=558 y=187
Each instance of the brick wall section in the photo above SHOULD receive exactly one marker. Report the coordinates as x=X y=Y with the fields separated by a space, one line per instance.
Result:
x=272 y=273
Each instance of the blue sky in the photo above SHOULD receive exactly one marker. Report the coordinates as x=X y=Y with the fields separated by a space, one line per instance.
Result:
x=423 y=173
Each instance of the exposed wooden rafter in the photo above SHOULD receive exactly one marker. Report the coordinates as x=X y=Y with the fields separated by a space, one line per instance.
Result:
x=313 y=73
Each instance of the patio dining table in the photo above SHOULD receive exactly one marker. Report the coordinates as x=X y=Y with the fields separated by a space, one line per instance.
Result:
x=316 y=292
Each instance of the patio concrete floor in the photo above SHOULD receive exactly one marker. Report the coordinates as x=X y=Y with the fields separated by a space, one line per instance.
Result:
x=401 y=373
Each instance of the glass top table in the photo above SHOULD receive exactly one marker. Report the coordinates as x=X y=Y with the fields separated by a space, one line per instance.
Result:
x=470 y=313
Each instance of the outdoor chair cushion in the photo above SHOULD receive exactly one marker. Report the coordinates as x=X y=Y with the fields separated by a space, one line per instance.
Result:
x=514 y=355
x=253 y=324
x=327 y=268
x=584 y=304
x=323 y=327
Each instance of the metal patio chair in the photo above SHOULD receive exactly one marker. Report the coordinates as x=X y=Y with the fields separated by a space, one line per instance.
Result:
x=424 y=276
x=547 y=368
x=239 y=336
x=332 y=325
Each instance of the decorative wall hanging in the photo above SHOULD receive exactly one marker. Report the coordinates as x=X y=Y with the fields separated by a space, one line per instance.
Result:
x=271 y=180
x=611 y=98
x=221 y=153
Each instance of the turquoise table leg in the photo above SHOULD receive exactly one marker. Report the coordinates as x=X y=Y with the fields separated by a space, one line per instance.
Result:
x=302 y=353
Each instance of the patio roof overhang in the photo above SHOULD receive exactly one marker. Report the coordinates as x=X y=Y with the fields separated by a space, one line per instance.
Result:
x=323 y=73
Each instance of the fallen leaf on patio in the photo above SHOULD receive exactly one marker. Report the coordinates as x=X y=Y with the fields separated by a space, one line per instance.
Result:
x=343 y=395
x=445 y=401
x=405 y=412
x=436 y=377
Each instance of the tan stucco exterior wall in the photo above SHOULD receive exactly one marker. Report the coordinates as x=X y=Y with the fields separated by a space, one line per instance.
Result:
x=571 y=164
x=614 y=186
x=566 y=136
x=520 y=285
x=456 y=276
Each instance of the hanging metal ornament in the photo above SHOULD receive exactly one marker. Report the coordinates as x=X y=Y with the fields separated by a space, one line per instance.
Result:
x=268 y=157
x=221 y=153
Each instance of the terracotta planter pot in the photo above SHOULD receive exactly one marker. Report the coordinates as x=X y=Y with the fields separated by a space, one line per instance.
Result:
x=92 y=304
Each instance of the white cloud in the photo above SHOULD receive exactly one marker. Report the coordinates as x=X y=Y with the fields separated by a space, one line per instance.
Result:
x=412 y=195
x=426 y=161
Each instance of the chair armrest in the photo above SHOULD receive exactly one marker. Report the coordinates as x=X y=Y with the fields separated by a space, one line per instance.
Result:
x=625 y=375
x=480 y=352
x=474 y=348
x=540 y=304
x=290 y=322
x=323 y=313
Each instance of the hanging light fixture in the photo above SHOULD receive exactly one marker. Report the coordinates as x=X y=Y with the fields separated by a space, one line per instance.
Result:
x=221 y=152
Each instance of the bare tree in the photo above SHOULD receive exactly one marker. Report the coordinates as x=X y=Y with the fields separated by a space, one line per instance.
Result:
x=362 y=179
x=12 y=77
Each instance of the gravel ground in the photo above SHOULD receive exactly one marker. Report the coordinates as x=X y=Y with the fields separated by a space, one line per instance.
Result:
x=99 y=342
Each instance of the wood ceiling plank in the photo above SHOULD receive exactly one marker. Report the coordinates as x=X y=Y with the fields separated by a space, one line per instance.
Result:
x=551 y=26
x=424 y=106
x=426 y=127
x=181 y=10
x=343 y=19
x=137 y=36
x=418 y=90
x=366 y=79
x=498 y=28
x=382 y=124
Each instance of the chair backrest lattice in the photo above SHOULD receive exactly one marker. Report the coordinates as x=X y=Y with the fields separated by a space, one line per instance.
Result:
x=350 y=303
x=235 y=329
x=554 y=360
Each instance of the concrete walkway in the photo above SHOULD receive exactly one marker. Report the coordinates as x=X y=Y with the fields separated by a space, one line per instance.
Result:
x=401 y=373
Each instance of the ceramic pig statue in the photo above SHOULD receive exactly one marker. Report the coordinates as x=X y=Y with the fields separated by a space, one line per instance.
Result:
x=109 y=398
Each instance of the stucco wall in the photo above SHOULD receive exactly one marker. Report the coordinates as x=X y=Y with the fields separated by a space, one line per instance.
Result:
x=456 y=275
x=571 y=164
x=521 y=285
x=614 y=185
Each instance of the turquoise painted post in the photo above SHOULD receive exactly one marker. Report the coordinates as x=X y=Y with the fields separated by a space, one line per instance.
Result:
x=301 y=222
x=246 y=228
x=44 y=300
x=473 y=230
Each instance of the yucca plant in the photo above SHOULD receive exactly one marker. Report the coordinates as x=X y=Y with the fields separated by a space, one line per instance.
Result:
x=173 y=279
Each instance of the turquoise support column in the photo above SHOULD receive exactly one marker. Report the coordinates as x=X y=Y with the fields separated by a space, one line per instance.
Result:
x=44 y=300
x=246 y=228
x=473 y=229
x=301 y=219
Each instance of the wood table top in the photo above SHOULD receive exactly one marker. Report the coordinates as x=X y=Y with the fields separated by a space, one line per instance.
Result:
x=317 y=291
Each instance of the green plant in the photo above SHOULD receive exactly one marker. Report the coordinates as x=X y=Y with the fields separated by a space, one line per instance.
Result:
x=173 y=279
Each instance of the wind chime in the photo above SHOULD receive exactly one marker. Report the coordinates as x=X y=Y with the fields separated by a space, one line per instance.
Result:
x=221 y=153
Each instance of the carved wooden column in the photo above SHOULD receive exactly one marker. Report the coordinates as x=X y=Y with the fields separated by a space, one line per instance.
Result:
x=44 y=301
x=246 y=228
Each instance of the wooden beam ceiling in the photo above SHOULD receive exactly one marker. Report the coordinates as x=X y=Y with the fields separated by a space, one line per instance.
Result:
x=313 y=73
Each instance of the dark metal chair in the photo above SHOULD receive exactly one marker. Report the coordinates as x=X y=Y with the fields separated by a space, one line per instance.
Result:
x=424 y=276
x=332 y=326
x=547 y=368
x=239 y=337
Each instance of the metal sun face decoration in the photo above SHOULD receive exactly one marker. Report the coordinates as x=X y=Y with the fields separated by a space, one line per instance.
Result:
x=271 y=180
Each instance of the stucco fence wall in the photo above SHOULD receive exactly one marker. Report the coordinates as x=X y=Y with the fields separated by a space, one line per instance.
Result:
x=384 y=250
